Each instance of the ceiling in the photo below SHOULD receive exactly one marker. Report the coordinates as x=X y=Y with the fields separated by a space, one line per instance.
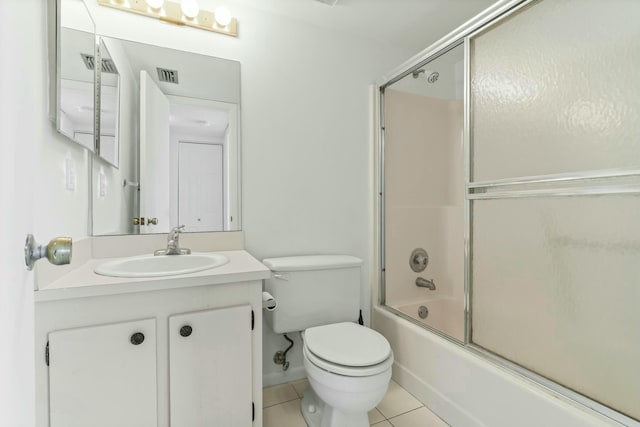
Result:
x=410 y=24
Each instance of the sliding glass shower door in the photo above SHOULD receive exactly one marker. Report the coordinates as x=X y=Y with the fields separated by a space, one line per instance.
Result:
x=554 y=195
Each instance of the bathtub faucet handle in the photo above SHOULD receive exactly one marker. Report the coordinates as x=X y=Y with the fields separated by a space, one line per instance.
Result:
x=418 y=260
x=426 y=283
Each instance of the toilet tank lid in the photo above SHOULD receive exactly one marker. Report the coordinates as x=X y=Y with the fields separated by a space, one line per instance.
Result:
x=311 y=262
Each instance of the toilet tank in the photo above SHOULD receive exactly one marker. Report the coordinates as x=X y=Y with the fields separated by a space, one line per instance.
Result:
x=312 y=291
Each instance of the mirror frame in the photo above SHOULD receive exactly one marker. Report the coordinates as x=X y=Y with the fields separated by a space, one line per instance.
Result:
x=54 y=32
x=99 y=44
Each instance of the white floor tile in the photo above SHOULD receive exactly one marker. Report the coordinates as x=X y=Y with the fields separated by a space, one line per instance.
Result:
x=383 y=424
x=278 y=394
x=397 y=401
x=375 y=416
x=300 y=386
x=283 y=415
x=421 y=417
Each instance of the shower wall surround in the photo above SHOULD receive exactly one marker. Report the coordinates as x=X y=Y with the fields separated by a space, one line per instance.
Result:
x=424 y=206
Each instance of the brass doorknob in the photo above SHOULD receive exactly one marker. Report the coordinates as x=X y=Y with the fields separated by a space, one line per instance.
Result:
x=141 y=221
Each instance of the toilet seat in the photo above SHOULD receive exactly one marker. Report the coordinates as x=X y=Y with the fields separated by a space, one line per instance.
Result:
x=347 y=349
x=347 y=371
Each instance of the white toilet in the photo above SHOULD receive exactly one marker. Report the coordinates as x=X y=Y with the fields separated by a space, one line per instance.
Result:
x=348 y=365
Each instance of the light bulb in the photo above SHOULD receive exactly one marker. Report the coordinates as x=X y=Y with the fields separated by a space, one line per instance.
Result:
x=155 y=4
x=222 y=16
x=190 y=8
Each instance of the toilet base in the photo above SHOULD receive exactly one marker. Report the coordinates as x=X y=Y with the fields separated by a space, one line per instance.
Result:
x=317 y=413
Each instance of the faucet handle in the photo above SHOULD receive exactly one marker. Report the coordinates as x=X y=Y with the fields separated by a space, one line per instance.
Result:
x=175 y=231
x=419 y=260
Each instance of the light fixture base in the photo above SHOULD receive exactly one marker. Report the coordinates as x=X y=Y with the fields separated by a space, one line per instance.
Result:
x=171 y=12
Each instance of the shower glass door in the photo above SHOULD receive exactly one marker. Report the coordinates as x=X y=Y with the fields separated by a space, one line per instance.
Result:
x=424 y=194
x=554 y=192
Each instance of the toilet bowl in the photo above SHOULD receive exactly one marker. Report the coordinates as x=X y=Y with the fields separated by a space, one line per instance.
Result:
x=348 y=367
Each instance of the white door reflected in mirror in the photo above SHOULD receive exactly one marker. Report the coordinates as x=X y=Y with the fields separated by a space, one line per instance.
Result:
x=201 y=191
x=154 y=154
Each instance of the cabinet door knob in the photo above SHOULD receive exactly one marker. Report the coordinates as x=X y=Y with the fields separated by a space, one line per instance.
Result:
x=137 y=338
x=186 y=330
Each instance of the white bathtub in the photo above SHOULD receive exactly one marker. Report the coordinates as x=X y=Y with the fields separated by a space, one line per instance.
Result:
x=465 y=389
x=445 y=315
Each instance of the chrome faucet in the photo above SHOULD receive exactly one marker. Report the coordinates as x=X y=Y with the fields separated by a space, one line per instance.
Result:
x=425 y=283
x=173 y=243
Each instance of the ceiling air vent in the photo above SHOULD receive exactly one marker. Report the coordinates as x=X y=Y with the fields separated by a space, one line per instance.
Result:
x=108 y=66
x=167 y=76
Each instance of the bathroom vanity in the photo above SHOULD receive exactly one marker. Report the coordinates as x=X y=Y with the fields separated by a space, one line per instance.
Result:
x=175 y=350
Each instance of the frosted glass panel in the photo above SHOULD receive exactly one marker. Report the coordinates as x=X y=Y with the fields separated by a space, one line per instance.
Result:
x=556 y=289
x=554 y=89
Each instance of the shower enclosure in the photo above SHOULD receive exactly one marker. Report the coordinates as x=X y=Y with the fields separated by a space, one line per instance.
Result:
x=510 y=153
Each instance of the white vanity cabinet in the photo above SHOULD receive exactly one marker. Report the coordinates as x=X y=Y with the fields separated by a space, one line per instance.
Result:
x=200 y=363
x=210 y=368
x=104 y=375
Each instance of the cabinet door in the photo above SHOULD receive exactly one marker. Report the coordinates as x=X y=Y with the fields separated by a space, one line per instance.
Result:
x=210 y=368
x=104 y=376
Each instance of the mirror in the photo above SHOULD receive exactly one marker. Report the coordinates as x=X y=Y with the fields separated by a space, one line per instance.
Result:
x=73 y=72
x=176 y=142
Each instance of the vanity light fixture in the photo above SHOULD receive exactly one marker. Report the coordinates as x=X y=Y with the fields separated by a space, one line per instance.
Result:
x=155 y=4
x=190 y=8
x=184 y=12
x=222 y=16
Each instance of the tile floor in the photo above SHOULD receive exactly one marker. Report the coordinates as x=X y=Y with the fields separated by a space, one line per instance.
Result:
x=281 y=408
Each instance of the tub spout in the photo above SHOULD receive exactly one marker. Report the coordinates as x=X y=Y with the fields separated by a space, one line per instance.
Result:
x=425 y=283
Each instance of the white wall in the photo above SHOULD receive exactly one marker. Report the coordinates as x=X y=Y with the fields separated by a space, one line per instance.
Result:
x=32 y=194
x=305 y=116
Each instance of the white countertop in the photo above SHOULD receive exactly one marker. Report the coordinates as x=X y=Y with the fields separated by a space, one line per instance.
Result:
x=83 y=282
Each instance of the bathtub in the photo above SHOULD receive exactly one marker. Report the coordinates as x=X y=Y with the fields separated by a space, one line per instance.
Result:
x=463 y=388
x=444 y=314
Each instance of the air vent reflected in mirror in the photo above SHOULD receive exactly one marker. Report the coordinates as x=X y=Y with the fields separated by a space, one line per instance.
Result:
x=167 y=76
x=108 y=66
x=88 y=61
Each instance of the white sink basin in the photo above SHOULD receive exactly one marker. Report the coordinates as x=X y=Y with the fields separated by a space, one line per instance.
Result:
x=161 y=265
